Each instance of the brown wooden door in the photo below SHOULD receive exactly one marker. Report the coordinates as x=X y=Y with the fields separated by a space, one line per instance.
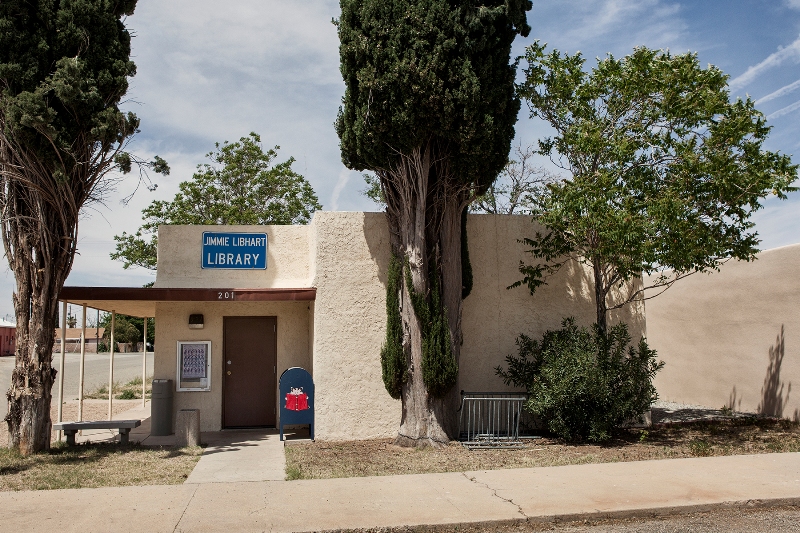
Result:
x=249 y=373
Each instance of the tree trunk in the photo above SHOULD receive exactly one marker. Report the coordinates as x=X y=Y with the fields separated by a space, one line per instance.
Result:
x=452 y=289
x=600 y=297
x=39 y=229
x=427 y=233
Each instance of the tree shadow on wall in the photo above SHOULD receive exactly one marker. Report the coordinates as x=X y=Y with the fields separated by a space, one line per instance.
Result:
x=734 y=401
x=773 y=400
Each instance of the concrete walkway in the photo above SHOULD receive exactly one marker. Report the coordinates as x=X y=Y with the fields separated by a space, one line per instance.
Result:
x=619 y=489
x=240 y=455
x=228 y=456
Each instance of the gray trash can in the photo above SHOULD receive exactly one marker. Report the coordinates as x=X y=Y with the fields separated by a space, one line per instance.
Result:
x=161 y=407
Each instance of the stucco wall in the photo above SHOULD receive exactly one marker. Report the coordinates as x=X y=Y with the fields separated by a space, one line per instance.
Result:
x=493 y=316
x=352 y=256
x=172 y=321
x=730 y=337
x=288 y=259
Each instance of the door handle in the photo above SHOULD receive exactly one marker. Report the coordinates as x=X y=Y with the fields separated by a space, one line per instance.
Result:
x=229 y=372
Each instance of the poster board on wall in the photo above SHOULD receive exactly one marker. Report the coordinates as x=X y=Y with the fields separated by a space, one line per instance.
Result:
x=194 y=366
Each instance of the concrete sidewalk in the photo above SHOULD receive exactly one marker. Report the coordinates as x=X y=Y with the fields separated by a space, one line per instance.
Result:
x=616 y=489
x=240 y=455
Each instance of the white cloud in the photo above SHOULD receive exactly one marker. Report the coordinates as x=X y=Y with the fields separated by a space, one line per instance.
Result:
x=783 y=91
x=776 y=59
x=793 y=4
x=600 y=26
x=341 y=183
x=784 y=111
x=778 y=221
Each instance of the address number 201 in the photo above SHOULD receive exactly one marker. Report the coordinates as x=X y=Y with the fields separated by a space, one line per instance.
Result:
x=225 y=295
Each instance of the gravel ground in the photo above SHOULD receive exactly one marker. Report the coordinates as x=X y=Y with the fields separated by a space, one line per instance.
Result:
x=671 y=412
x=727 y=520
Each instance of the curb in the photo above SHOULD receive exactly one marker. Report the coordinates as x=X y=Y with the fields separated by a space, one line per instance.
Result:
x=580 y=518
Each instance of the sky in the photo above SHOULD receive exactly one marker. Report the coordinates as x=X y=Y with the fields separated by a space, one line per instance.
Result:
x=208 y=73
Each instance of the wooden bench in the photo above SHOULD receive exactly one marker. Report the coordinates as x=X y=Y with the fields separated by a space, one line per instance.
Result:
x=71 y=428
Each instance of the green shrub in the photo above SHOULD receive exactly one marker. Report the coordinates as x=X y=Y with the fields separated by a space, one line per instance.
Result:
x=583 y=384
x=393 y=358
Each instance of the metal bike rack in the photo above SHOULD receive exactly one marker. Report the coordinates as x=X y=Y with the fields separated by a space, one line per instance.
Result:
x=490 y=419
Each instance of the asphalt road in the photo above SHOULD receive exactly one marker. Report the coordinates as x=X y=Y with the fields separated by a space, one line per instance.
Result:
x=734 y=519
x=126 y=367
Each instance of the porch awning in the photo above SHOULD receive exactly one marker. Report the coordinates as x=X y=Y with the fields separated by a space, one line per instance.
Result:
x=141 y=301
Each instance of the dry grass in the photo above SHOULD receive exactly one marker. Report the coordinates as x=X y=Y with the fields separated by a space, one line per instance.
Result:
x=128 y=391
x=320 y=460
x=95 y=465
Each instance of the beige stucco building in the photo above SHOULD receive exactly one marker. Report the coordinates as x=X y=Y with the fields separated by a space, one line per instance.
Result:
x=323 y=294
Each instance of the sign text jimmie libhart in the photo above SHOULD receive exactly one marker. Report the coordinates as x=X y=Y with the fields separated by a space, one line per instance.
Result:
x=235 y=250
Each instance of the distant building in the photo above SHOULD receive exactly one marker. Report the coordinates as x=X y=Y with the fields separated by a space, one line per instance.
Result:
x=8 y=337
x=94 y=336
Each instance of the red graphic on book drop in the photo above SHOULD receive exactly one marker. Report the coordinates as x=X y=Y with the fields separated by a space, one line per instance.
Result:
x=296 y=399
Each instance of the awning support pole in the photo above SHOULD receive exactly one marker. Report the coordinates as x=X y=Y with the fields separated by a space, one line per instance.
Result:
x=61 y=368
x=144 y=363
x=111 y=366
x=83 y=362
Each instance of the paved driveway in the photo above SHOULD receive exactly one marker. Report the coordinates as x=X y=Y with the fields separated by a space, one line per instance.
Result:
x=126 y=367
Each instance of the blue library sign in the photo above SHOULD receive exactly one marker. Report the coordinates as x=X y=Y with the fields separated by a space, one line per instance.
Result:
x=235 y=250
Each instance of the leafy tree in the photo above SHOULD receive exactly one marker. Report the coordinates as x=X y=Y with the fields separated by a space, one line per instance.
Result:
x=373 y=190
x=64 y=67
x=127 y=329
x=240 y=186
x=517 y=188
x=665 y=171
x=430 y=108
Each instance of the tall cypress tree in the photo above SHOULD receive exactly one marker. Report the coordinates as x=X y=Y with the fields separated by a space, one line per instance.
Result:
x=430 y=108
x=64 y=67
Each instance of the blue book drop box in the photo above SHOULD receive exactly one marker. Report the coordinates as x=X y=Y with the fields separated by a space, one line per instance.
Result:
x=296 y=399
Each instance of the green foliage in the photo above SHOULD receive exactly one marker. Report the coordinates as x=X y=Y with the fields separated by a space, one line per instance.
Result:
x=417 y=70
x=373 y=190
x=583 y=383
x=127 y=394
x=393 y=359
x=439 y=366
x=240 y=186
x=127 y=329
x=64 y=68
x=665 y=170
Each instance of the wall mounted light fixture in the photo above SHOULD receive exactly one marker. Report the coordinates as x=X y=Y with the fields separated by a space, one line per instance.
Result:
x=196 y=321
